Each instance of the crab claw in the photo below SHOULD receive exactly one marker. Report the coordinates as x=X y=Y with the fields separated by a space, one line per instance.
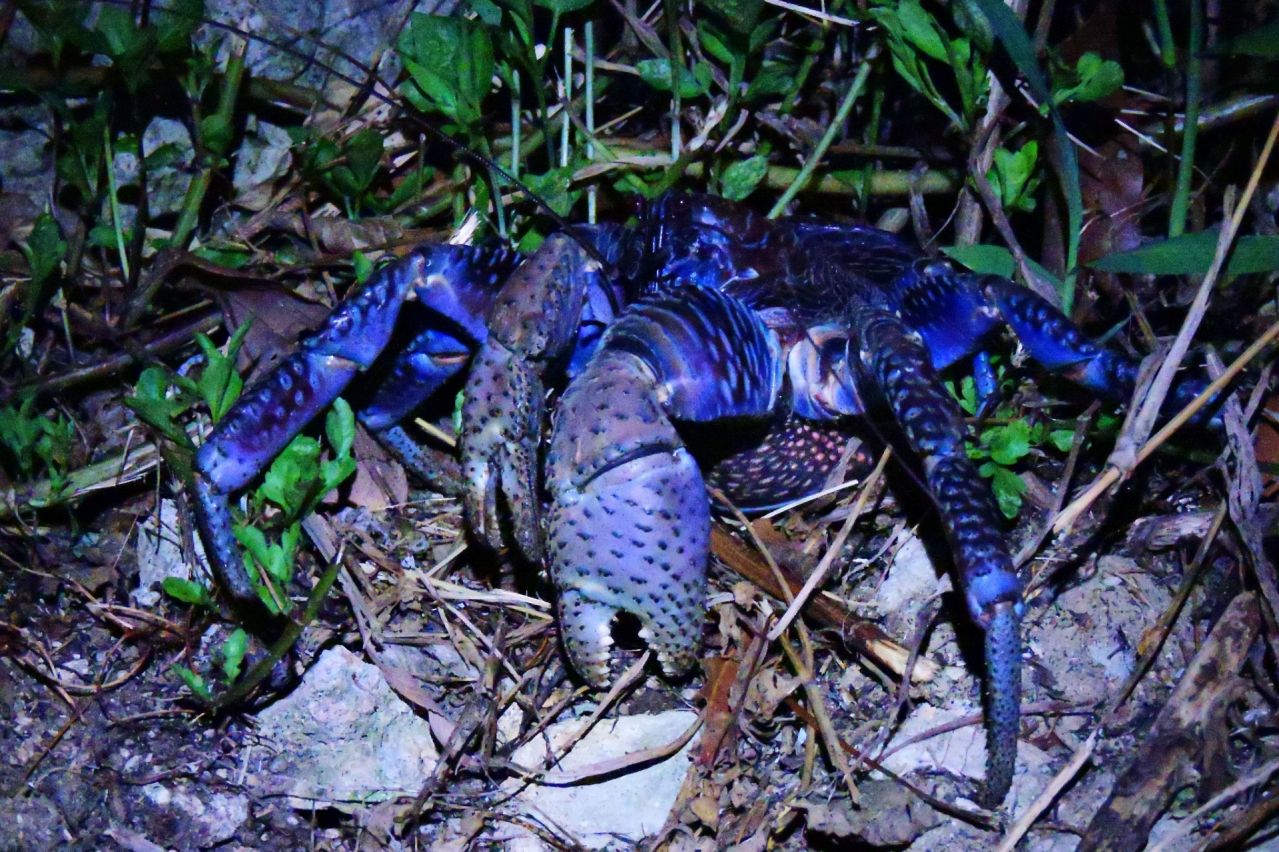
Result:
x=534 y=323
x=629 y=523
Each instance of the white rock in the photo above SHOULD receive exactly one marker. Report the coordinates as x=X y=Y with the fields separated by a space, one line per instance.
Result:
x=962 y=752
x=620 y=810
x=159 y=553
x=343 y=737
x=911 y=582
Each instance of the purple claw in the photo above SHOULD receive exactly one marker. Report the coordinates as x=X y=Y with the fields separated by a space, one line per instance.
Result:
x=534 y=322
x=629 y=525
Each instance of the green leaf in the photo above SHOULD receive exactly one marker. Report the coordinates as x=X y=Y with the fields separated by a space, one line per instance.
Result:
x=154 y=407
x=553 y=187
x=339 y=427
x=987 y=260
x=219 y=384
x=276 y=559
x=657 y=73
x=362 y=266
x=233 y=652
x=187 y=591
x=254 y=542
x=216 y=132
x=292 y=476
x=967 y=395
x=921 y=30
x=741 y=178
x=1008 y=488
x=1013 y=176
x=1096 y=78
x=450 y=62
x=333 y=472
x=740 y=16
x=563 y=7
x=772 y=80
x=1262 y=42
x=487 y=11
x=1191 y=254
x=118 y=33
x=45 y=249
x=714 y=45
x=1008 y=443
x=1011 y=35
x=19 y=431
x=195 y=683
x=363 y=156
x=1062 y=439
x=282 y=566
x=970 y=19
x=458 y=402
x=175 y=23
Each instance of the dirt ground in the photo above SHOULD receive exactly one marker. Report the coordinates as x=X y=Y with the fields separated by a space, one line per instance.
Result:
x=427 y=702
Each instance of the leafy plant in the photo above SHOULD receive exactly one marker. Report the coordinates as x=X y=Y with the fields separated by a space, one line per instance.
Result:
x=1092 y=79
x=1014 y=177
x=297 y=480
x=1002 y=444
x=920 y=47
x=34 y=444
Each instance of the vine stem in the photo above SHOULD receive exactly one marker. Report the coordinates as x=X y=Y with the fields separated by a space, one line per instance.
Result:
x=841 y=115
x=1190 y=127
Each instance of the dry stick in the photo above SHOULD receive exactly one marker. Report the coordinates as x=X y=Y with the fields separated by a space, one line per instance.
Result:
x=136 y=354
x=614 y=765
x=1112 y=475
x=1232 y=834
x=1059 y=782
x=866 y=637
x=1184 y=827
x=836 y=547
x=1150 y=408
x=1163 y=626
x=1063 y=487
x=999 y=218
x=628 y=679
x=814 y=14
x=1165 y=754
x=979 y=819
x=837 y=123
x=802 y=660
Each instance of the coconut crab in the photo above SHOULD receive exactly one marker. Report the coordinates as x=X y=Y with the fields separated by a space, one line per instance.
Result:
x=703 y=312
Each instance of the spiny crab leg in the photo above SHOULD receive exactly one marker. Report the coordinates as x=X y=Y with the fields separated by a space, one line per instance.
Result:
x=448 y=280
x=1057 y=344
x=629 y=524
x=898 y=364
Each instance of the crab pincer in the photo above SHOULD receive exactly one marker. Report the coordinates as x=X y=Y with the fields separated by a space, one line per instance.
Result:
x=534 y=323
x=629 y=525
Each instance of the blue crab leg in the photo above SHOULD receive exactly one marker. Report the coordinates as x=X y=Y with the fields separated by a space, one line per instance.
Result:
x=545 y=310
x=1056 y=343
x=900 y=365
x=629 y=524
x=274 y=410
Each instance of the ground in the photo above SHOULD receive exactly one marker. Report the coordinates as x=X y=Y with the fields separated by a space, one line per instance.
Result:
x=429 y=703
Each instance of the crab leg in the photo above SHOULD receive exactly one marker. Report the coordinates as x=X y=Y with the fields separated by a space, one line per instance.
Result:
x=629 y=523
x=274 y=410
x=900 y=366
x=1056 y=343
